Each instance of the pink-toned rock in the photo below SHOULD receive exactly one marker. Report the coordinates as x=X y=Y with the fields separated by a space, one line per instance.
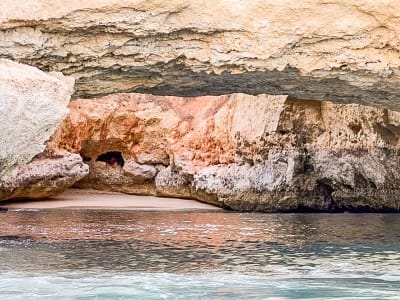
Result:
x=148 y=129
x=263 y=153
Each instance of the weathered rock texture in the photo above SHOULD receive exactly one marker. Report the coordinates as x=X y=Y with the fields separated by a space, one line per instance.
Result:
x=340 y=50
x=45 y=176
x=263 y=153
x=32 y=106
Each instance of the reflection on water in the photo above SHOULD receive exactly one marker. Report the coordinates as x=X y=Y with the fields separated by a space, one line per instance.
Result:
x=215 y=255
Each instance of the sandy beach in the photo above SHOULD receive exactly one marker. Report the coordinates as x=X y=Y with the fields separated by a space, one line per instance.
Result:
x=92 y=199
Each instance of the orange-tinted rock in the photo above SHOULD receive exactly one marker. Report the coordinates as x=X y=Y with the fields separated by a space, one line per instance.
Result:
x=148 y=129
x=264 y=153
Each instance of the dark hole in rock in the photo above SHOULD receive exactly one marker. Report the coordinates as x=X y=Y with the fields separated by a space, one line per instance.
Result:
x=112 y=158
x=356 y=128
x=85 y=158
x=330 y=205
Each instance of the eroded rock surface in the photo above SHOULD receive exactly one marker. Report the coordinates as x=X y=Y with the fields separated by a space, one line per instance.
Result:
x=263 y=153
x=340 y=50
x=45 y=176
x=32 y=106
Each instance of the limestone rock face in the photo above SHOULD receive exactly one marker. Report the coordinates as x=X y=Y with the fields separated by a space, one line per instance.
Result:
x=32 y=105
x=259 y=153
x=45 y=176
x=340 y=50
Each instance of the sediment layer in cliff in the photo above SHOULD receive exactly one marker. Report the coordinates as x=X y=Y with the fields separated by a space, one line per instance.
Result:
x=249 y=153
x=339 y=50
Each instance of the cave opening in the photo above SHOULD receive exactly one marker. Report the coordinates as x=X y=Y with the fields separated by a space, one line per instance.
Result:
x=85 y=158
x=112 y=158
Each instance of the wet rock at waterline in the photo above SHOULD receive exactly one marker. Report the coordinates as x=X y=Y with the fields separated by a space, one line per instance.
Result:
x=340 y=50
x=250 y=153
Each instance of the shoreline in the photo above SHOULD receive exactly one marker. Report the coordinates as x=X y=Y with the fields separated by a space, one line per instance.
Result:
x=94 y=199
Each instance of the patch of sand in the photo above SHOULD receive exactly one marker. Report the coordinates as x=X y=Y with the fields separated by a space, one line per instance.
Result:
x=92 y=199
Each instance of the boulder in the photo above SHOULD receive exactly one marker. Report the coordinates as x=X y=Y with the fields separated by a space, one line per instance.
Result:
x=32 y=106
x=43 y=177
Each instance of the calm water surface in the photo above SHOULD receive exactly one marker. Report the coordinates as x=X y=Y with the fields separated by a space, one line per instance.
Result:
x=86 y=254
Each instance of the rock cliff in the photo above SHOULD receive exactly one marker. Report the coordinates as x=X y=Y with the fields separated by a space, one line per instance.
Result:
x=339 y=50
x=262 y=153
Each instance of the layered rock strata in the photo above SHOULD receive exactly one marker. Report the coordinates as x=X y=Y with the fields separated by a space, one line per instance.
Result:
x=249 y=153
x=32 y=106
x=339 y=50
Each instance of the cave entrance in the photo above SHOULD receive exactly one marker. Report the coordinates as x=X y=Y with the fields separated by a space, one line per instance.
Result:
x=112 y=158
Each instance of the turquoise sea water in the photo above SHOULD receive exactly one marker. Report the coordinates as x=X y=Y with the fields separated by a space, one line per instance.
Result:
x=71 y=254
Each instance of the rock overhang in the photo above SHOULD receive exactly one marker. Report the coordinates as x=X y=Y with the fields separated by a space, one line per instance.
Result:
x=344 y=51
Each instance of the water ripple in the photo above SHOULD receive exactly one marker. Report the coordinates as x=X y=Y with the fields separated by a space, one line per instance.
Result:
x=173 y=255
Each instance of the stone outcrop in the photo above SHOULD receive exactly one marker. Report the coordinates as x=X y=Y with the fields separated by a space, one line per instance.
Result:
x=32 y=106
x=339 y=50
x=265 y=153
x=46 y=176
x=262 y=153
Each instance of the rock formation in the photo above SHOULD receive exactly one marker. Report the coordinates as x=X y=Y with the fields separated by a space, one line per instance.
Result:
x=265 y=153
x=262 y=153
x=339 y=50
x=32 y=106
x=43 y=177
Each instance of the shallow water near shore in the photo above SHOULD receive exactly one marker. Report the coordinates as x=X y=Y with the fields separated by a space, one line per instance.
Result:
x=92 y=254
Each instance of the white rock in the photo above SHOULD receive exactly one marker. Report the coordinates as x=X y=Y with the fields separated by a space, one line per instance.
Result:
x=32 y=105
